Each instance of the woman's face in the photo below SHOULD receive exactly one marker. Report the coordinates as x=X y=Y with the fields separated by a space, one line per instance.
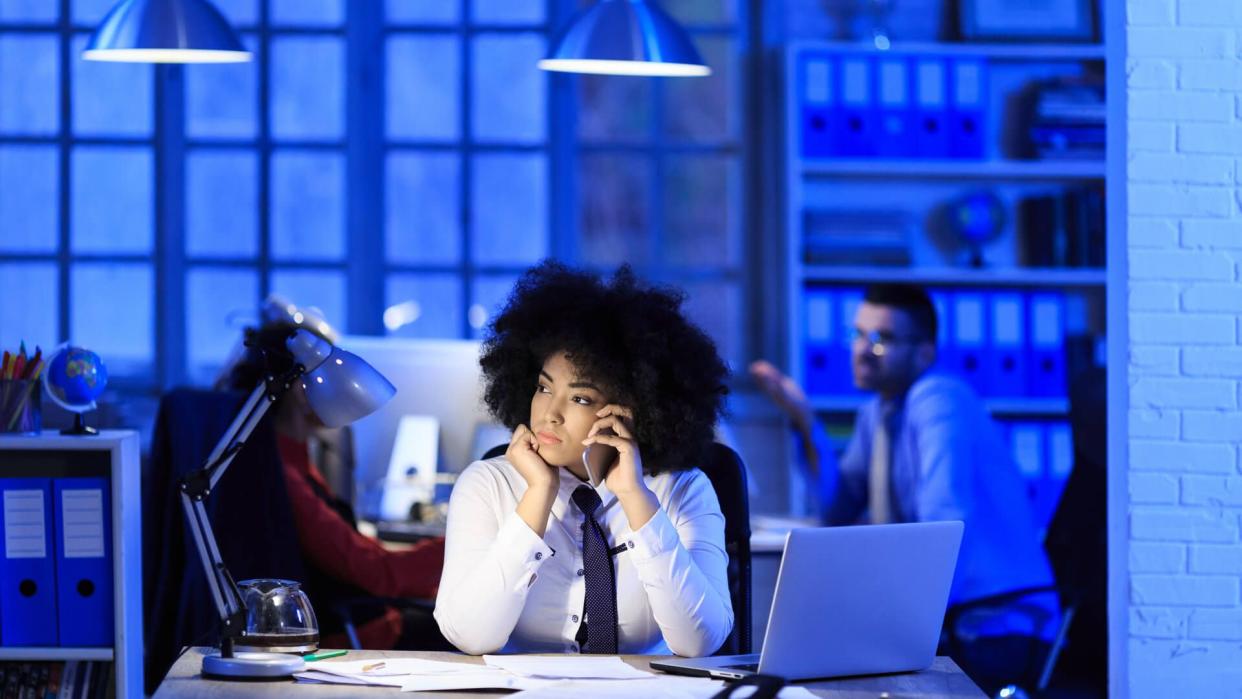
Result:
x=562 y=412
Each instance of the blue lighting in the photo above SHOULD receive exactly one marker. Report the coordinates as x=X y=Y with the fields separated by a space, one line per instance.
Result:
x=625 y=37
x=165 y=31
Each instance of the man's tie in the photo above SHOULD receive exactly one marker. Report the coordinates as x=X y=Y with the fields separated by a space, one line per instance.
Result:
x=881 y=459
x=601 y=581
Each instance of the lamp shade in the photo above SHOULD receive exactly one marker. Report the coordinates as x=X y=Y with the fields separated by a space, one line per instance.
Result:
x=165 y=31
x=340 y=387
x=625 y=37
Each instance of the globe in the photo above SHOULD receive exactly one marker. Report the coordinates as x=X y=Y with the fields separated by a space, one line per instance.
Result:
x=74 y=379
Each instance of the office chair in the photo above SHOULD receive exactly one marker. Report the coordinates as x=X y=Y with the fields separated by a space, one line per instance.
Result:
x=724 y=468
x=1077 y=548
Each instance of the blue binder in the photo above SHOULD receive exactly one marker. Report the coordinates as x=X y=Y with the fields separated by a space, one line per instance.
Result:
x=895 y=125
x=848 y=300
x=1047 y=333
x=857 y=133
x=820 y=118
x=970 y=338
x=27 y=563
x=820 y=328
x=931 y=108
x=1007 y=370
x=1028 y=444
x=946 y=357
x=84 y=561
x=967 y=115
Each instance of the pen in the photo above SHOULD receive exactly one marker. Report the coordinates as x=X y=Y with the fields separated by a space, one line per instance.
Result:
x=373 y=666
x=324 y=655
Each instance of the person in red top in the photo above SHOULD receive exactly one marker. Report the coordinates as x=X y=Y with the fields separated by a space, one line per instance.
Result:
x=343 y=565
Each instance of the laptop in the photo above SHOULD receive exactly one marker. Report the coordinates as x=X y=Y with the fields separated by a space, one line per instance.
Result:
x=858 y=600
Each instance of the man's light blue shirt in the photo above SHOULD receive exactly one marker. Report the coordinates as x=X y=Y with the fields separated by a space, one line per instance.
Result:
x=948 y=463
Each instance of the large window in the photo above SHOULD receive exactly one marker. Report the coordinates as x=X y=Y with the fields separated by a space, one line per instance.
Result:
x=396 y=163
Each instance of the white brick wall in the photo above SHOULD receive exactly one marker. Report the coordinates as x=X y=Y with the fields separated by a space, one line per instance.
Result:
x=1184 y=237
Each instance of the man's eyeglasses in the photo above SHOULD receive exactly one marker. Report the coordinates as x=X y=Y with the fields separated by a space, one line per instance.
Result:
x=879 y=341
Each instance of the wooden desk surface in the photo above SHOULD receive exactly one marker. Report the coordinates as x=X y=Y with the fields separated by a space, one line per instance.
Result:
x=942 y=679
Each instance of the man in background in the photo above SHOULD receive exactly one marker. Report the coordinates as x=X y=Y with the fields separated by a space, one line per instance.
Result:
x=924 y=448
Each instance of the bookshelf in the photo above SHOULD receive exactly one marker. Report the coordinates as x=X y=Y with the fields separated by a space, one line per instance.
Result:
x=856 y=216
x=19 y=454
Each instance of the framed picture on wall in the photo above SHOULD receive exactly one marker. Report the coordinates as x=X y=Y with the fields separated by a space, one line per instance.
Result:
x=1026 y=20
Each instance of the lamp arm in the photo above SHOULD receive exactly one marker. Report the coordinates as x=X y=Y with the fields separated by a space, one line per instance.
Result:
x=197 y=485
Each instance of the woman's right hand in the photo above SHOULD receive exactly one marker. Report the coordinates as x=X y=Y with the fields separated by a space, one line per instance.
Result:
x=523 y=453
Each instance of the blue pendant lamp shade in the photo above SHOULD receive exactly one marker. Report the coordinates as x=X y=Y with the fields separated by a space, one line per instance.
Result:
x=625 y=37
x=165 y=31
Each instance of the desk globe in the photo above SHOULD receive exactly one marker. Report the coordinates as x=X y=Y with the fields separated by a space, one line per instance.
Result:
x=74 y=379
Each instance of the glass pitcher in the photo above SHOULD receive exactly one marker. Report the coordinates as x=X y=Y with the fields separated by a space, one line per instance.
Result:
x=279 y=617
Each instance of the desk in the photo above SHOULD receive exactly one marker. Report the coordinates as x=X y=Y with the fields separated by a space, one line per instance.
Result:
x=942 y=679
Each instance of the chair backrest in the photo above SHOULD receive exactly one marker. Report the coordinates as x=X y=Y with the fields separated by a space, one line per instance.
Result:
x=724 y=468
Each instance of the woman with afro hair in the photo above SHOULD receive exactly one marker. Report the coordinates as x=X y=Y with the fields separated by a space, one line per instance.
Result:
x=533 y=548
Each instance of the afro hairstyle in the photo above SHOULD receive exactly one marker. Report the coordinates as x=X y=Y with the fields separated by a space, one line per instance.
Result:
x=628 y=338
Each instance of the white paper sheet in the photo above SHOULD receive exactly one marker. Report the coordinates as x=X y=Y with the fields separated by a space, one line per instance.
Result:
x=495 y=679
x=567 y=666
x=661 y=687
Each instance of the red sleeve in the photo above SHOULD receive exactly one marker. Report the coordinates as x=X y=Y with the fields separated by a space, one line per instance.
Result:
x=334 y=546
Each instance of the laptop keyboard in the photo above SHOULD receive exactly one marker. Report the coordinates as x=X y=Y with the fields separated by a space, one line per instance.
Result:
x=752 y=667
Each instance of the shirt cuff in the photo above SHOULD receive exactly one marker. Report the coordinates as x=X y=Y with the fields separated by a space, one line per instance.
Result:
x=520 y=551
x=655 y=538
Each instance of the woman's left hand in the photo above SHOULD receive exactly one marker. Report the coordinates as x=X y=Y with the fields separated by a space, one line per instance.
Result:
x=625 y=478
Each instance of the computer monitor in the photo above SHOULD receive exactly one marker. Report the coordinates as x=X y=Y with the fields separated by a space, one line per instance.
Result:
x=439 y=378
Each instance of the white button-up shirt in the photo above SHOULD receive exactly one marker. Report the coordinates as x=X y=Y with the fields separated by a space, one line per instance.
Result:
x=505 y=589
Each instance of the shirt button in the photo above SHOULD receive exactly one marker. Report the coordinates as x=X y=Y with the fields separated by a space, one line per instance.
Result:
x=631 y=544
x=574 y=618
x=581 y=572
x=538 y=555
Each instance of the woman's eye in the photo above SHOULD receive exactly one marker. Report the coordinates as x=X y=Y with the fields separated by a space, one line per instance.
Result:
x=582 y=400
x=542 y=389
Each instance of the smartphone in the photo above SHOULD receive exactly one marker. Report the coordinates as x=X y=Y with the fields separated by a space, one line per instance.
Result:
x=598 y=458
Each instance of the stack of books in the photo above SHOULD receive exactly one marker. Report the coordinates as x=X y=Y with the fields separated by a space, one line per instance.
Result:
x=1068 y=119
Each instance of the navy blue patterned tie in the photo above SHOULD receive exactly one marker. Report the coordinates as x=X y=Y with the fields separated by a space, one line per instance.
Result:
x=601 y=581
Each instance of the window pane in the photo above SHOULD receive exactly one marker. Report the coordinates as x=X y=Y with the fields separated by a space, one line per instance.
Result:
x=29 y=92
x=111 y=200
x=222 y=204
x=701 y=11
x=423 y=11
x=308 y=207
x=98 y=109
x=29 y=10
x=507 y=11
x=238 y=12
x=701 y=225
x=424 y=91
x=308 y=87
x=508 y=93
x=221 y=100
x=423 y=206
x=218 y=304
x=705 y=109
x=424 y=305
x=90 y=11
x=31 y=305
x=615 y=211
x=322 y=289
x=329 y=13
x=111 y=314
x=509 y=209
x=488 y=296
x=29 y=206
x=716 y=308
x=614 y=108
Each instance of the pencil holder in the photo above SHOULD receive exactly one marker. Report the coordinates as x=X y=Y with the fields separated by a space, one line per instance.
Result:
x=21 y=405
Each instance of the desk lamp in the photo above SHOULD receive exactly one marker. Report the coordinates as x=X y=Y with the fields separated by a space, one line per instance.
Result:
x=625 y=37
x=340 y=389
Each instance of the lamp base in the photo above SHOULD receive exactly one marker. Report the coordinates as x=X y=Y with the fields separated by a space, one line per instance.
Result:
x=248 y=666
